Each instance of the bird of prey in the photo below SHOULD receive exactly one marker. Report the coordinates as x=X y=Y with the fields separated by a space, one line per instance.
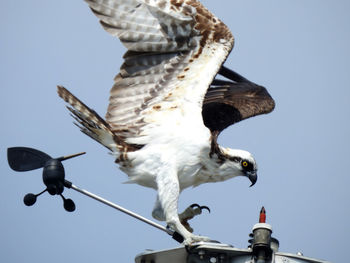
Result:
x=166 y=109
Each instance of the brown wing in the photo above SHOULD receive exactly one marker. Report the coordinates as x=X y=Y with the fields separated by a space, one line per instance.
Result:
x=227 y=102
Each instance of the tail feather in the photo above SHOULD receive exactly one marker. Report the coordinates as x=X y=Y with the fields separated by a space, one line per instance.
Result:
x=90 y=122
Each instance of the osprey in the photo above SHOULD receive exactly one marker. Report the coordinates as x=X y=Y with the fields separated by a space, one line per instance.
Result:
x=166 y=109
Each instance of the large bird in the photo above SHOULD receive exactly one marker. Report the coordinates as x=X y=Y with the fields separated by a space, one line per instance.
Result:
x=166 y=109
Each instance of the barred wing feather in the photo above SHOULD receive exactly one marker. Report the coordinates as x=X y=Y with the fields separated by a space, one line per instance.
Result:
x=175 y=48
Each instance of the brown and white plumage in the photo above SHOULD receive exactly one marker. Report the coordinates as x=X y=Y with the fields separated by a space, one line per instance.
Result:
x=162 y=120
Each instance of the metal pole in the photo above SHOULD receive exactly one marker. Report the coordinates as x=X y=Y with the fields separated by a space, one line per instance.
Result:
x=121 y=209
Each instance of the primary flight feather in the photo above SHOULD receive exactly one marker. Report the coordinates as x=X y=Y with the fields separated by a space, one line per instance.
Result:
x=166 y=110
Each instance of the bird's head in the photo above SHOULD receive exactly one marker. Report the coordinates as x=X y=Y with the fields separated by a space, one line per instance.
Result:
x=241 y=162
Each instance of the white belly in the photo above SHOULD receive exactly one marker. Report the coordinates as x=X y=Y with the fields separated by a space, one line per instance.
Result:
x=180 y=152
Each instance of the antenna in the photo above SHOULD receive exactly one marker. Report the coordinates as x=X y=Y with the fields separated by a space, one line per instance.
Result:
x=22 y=159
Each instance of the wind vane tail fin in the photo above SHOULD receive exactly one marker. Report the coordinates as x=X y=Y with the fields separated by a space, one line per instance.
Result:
x=89 y=121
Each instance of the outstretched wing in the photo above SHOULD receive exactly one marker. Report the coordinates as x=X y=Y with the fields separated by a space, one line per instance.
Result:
x=229 y=102
x=175 y=48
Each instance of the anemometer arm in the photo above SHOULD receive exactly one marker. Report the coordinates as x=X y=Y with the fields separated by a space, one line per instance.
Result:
x=23 y=159
x=176 y=236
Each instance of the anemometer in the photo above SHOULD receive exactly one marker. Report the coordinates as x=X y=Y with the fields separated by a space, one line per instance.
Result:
x=22 y=159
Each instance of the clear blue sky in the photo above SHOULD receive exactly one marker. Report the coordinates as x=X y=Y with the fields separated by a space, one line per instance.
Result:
x=299 y=50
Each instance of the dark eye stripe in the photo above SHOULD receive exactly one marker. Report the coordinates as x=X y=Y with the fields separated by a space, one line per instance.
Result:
x=247 y=167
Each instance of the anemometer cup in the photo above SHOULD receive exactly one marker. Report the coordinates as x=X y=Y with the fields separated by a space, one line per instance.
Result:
x=29 y=199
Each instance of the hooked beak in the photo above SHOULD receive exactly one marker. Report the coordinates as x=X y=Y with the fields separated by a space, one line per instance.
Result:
x=253 y=177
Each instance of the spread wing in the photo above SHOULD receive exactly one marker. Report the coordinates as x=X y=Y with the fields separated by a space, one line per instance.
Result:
x=229 y=102
x=175 y=48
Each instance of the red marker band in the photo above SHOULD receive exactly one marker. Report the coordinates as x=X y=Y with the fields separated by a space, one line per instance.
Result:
x=262 y=216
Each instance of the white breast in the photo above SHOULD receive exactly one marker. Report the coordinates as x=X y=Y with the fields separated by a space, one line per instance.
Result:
x=179 y=149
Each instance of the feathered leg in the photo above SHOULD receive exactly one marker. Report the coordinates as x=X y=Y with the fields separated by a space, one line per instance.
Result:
x=166 y=205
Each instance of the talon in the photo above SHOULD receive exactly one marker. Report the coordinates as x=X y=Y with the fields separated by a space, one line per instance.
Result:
x=200 y=207
x=189 y=213
x=205 y=207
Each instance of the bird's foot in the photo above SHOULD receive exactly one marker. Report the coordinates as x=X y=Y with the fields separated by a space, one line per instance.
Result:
x=189 y=213
x=176 y=224
x=191 y=239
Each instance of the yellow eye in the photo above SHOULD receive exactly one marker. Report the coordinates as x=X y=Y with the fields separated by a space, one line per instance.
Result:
x=245 y=164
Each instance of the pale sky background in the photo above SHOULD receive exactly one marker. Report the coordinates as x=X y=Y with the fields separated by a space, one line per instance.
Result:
x=298 y=50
